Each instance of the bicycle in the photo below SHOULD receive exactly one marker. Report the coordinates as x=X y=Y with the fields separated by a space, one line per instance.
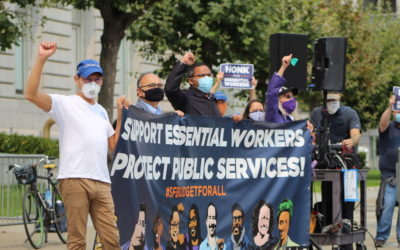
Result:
x=41 y=213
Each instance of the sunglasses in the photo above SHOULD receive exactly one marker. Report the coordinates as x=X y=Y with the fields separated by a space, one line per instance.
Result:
x=152 y=85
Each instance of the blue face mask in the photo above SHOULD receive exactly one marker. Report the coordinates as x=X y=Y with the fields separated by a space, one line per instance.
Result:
x=257 y=116
x=205 y=84
x=397 y=117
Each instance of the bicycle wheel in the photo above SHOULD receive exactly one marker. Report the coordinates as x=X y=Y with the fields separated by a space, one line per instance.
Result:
x=32 y=215
x=59 y=217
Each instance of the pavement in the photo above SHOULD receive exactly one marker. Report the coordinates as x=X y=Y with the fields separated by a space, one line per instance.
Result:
x=13 y=237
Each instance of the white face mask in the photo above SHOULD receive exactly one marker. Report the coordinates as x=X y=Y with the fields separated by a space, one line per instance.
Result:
x=257 y=116
x=333 y=107
x=90 y=90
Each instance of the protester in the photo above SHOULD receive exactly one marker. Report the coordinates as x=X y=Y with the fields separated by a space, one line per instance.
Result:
x=389 y=142
x=280 y=102
x=254 y=110
x=150 y=93
x=345 y=128
x=84 y=134
x=197 y=99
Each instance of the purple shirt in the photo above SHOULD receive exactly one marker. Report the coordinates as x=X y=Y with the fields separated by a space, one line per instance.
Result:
x=272 y=113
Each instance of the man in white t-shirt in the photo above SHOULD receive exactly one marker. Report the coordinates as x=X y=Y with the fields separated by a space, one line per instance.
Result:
x=85 y=133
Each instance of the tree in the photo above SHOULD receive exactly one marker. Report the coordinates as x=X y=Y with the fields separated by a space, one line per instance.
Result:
x=215 y=31
x=10 y=30
x=229 y=31
x=117 y=17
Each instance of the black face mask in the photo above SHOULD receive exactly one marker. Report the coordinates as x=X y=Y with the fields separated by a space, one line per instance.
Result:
x=154 y=95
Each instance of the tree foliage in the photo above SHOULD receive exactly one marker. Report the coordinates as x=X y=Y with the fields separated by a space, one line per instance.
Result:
x=10 y=29
x=117 y=16
x=221 y=31
x=229 y=31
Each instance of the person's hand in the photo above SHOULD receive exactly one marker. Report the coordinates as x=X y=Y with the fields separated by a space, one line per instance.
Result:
x=310 y=126
x=122 y=102
x=220 y=76
x=237 y=118
x=46 y=49
x=392 y=100
x=286 y=60
x=254 y=82
x=180 y=113
x=188 y=59
x=348 y=143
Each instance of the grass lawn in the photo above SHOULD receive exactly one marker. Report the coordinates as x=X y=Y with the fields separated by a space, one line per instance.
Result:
x=11 y=199
x=373 y=180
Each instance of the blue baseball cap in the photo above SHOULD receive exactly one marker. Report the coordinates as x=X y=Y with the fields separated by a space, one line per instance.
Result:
x=220 y=96
x=87 y=67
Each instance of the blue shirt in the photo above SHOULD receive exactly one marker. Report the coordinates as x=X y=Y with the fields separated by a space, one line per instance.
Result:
x=205 y=246
x=147 y=107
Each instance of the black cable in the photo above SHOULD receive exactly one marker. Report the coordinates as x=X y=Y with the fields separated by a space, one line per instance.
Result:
x=372 y=237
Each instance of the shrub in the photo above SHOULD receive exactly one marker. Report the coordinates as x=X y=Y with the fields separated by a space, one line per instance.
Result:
x=21 y=144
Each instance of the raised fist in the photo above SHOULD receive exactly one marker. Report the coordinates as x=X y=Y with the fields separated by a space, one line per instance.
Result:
x=254 y=82
x=188 y=59
x=286 y=60
x=46 y=49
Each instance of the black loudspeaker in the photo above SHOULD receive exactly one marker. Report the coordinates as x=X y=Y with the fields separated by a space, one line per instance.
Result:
x=329 y=64
x=281 y=45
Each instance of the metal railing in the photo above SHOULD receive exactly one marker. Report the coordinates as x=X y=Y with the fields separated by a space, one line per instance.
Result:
x=11 y=194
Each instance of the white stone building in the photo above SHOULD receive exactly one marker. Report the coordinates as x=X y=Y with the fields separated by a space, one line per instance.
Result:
x=77 y=34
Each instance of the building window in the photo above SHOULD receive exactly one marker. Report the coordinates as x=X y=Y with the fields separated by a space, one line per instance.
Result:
x=20 y=65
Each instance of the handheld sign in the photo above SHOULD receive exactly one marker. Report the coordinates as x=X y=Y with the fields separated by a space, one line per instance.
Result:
x=237 y=75
x=396 y=93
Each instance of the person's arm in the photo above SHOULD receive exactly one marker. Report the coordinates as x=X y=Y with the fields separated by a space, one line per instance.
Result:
x=32 y=93
x=355 y=135
x=218 y=81
x=274 y=85
x=122 y=103
x=173 y=84
x=386 y=115
x=355 y=131
x=285 y=64
x=252 y=94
